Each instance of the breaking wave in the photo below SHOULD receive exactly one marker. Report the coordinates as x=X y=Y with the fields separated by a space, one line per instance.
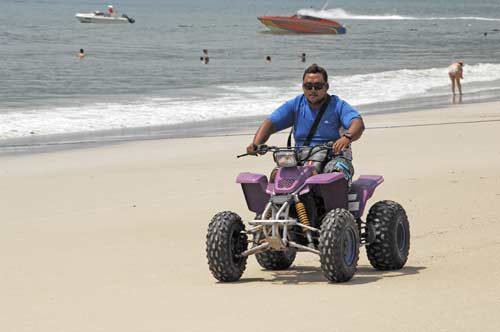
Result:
x=234 y=101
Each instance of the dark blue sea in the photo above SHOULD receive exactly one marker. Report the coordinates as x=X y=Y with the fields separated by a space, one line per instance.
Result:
x=138 y=78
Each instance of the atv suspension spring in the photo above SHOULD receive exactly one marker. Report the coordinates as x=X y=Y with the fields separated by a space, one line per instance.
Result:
x=301 y=212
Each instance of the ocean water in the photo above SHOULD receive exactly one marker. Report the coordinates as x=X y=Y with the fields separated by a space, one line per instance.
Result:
x=148 y=74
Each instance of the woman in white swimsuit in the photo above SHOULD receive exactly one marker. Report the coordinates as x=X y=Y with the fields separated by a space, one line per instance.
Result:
x=455 y=71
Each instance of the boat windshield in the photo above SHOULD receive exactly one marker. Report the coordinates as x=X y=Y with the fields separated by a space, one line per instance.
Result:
x=307 y=17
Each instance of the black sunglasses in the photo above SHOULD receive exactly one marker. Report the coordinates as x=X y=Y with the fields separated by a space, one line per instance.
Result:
x=316 y=86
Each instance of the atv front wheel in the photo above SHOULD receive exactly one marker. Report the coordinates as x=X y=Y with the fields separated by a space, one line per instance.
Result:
x=339 y=245
x=226 y=240
x=391 y=247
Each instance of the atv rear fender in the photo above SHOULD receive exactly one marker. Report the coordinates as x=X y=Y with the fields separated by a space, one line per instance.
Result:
x=361 y=191
x=254 y=188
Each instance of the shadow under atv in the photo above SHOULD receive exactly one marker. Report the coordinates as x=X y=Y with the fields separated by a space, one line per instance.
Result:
x=312 y=274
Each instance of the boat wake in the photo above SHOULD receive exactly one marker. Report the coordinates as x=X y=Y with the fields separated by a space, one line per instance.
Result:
x=339 y=13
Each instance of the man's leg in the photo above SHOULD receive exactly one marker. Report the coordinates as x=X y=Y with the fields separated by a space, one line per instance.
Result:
x=340 y=164
x=272 y=176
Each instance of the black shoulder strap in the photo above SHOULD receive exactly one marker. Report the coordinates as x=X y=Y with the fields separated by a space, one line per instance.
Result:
x=317 y=120
x=289 y=140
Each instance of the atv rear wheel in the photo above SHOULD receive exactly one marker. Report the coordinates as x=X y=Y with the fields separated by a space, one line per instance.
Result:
x=390 y=249
x=339 y=245
x=226 y=240
x=276 y=260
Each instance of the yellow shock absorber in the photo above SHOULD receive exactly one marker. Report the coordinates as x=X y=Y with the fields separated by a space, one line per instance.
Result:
x=301 y=212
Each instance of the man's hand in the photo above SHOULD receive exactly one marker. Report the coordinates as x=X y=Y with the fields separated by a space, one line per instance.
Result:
x=265 y=130
x=353 y=133
x=341 y=144
x=252 y=149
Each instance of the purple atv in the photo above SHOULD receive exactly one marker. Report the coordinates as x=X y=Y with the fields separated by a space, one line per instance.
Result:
x=300 y=211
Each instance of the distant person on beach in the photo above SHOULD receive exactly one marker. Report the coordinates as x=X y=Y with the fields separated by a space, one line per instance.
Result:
x=456 y=73
x=205 y=57
x=338 y=122
x=303 y=57
x=81 y=54
x=268 y=59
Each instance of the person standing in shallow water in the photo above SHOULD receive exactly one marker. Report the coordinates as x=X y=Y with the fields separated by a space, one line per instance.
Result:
x=81 y=54
x=268 y=59
x=303 y=57
x=456 y=73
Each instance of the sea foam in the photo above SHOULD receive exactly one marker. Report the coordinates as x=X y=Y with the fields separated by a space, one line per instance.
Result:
x=234 y=101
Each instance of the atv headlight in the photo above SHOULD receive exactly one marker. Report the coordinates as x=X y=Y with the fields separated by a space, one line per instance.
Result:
x=285 y=158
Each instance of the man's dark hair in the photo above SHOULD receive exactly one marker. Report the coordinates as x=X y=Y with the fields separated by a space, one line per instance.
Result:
x=314 y=69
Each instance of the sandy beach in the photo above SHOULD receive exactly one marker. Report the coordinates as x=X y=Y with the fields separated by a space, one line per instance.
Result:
x=113 y=238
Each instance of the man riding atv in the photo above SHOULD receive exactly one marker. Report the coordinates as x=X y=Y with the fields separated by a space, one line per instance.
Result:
x=316 y=118
x=310 y=202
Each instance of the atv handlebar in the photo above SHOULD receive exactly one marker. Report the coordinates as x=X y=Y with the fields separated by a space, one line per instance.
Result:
x=262 y=149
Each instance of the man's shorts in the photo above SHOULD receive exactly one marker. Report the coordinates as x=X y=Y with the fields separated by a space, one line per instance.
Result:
x=325 y=163
x=340 y=164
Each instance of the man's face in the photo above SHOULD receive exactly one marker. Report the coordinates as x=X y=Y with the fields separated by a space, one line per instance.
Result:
x=315 y=88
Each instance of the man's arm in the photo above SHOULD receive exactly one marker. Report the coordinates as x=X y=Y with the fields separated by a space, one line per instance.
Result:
x=355 y=130
x=265 y=130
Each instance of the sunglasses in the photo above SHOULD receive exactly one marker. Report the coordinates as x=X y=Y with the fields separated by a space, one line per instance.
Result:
x=316 y=86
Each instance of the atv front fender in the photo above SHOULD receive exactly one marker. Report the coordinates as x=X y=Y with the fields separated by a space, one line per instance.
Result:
x=254 y=188
x=333 y=189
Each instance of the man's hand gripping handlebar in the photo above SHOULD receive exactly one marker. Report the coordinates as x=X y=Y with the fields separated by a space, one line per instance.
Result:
x=255 y=150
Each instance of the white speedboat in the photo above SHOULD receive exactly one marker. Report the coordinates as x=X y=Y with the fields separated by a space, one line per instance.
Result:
x=100 y=17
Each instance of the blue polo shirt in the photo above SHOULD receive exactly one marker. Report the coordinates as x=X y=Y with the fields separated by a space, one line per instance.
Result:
x=297 y=112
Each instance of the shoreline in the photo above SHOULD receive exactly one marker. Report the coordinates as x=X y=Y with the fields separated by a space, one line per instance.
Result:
x=217 y=128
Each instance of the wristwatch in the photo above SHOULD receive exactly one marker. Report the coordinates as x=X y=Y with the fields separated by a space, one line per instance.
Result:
x=348 y=135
